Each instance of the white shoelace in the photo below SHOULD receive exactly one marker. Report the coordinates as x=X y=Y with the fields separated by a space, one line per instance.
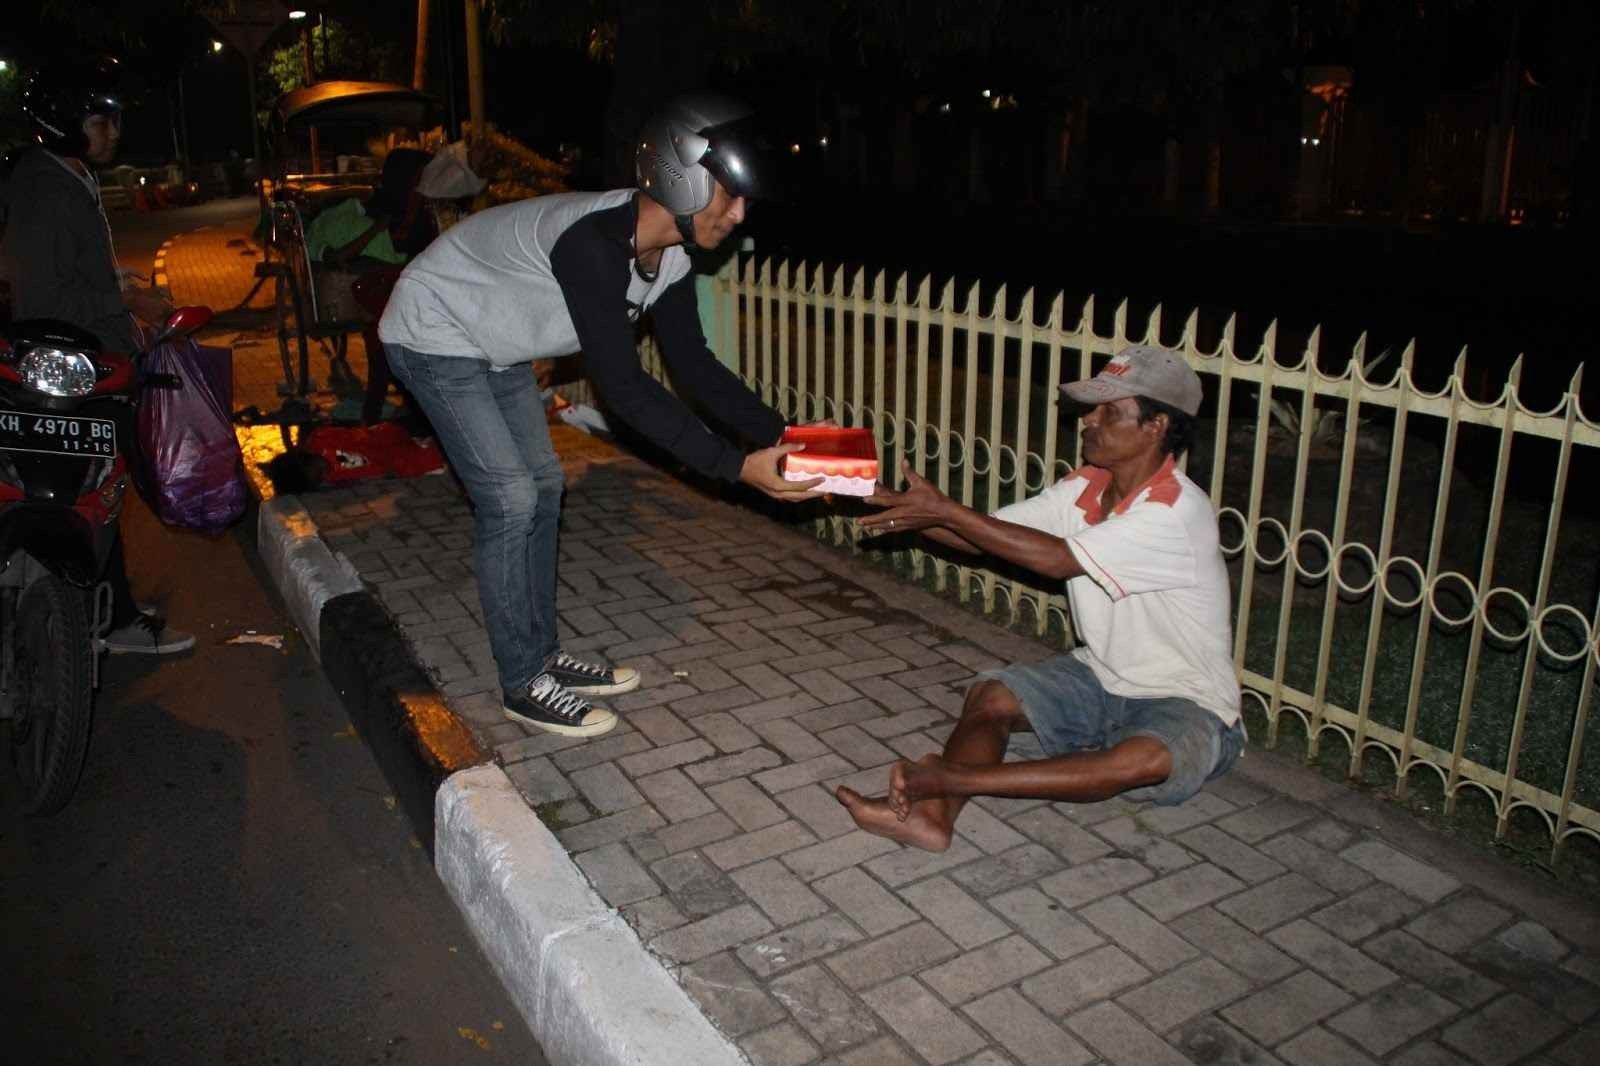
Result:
x=577 y=666
x=547 y=691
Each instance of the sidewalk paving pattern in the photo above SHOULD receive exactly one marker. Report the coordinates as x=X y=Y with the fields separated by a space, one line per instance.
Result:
x=1264 y=921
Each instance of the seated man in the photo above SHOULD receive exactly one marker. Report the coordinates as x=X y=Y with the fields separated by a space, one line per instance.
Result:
x=386 y=230
x=1148 y=706
x=372 y=240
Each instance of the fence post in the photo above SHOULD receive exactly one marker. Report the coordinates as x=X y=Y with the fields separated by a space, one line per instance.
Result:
x=711 y=291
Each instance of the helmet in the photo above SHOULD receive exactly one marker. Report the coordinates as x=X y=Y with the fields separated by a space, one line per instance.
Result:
x=691 y=143
x=57 y=101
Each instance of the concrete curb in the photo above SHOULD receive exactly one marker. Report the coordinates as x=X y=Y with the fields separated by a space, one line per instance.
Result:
x=158 y=270
x=587 y=988
x=306 y=573
x=416 y=739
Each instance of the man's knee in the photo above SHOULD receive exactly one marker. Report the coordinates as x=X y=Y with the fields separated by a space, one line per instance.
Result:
x=513 y=501
x=549 y=483
x=1143 y=761
x=991 y=703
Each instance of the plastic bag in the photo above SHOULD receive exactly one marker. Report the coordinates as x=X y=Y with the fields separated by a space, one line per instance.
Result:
x=188 y=467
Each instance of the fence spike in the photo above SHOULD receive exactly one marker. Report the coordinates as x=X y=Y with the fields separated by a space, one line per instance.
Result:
x=879 y=283
x=973 y=306
x=925 y=291
x=1119 y=323
x=1086 y=316
x=947 y=295
x=1408 y=356
x=1057 y=309
x=1191 y=329
x=1230 y=330
x=1515 y=377
x=997 y=309
x=1025 y=307
x=1458 y=373
x=1152 y=330
x=838 y=280
x=1577 y=382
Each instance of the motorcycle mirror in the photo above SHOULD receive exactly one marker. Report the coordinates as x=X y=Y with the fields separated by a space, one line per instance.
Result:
x=185 y=320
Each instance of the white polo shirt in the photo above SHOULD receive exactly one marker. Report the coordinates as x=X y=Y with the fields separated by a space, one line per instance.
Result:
x=1153 y=606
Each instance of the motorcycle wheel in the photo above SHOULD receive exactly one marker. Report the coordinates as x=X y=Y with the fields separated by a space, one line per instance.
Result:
x=51 y=653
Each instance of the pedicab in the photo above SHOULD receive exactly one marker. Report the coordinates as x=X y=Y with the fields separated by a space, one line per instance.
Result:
x=323 y=137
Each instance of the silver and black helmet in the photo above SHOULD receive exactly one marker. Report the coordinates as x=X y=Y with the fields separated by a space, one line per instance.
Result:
x=57 y=99
x=690 y=144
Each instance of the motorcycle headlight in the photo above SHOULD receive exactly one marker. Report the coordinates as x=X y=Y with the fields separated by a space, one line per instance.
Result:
x=55 y=372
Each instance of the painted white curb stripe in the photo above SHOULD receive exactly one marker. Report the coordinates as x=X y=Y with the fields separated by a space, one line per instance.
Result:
x=307 y=574
x=589 y=991
x=158 y=270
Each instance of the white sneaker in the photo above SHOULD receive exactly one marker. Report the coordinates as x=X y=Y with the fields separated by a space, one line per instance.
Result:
x=148 y=634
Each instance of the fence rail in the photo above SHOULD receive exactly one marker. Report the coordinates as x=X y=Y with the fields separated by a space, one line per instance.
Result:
x=1412 y=573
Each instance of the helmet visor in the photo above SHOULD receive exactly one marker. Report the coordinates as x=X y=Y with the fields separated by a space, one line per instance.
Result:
x=741 y=158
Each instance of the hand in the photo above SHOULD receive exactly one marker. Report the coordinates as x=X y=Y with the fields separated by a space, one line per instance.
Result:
x=921 y=505
x=761 y=472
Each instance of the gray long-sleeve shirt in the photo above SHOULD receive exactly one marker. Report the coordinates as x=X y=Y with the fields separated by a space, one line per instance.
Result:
x=58 y=253
x=552 y=275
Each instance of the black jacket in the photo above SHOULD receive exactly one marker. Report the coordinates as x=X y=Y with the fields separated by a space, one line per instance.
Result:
x=57 y=251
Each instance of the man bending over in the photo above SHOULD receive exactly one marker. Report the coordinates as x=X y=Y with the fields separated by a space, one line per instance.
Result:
x=1148 y=705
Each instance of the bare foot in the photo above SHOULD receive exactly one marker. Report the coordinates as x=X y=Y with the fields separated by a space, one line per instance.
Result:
x=912 y=781
x=877 y=817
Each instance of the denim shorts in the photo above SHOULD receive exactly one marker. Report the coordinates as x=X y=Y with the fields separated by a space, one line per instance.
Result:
x=1071 y=711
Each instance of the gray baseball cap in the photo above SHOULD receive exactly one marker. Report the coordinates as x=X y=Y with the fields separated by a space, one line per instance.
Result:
x=1141 y=370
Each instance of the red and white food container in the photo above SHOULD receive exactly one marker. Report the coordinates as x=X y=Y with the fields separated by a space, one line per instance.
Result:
x=845 y=459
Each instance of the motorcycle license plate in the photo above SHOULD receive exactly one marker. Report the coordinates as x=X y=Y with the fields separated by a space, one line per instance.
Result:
x=25 y=431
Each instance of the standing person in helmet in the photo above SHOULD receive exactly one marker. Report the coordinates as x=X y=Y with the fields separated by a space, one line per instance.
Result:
x=548 y=277
x=61 y=262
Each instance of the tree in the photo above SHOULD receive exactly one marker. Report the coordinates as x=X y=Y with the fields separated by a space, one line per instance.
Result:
x=338 y=51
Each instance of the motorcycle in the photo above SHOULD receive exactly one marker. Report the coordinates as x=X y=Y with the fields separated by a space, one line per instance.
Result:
x=63 y=477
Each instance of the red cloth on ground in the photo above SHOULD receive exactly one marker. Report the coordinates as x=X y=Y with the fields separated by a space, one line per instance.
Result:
x=355 y=453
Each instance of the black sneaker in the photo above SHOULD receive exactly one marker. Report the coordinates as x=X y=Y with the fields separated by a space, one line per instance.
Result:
x=544 y=704
x=591 y=679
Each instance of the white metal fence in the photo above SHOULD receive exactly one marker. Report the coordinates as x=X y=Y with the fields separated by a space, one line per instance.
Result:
x=1413 y=570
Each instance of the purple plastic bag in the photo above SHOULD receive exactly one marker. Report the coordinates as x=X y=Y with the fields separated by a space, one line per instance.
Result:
x=189 y=468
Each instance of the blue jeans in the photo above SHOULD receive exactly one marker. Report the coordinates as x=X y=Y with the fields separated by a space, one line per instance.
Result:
x=492 y=426
x=1070 y=710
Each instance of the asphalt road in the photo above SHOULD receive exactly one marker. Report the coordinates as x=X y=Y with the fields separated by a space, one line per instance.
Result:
x=231 y=883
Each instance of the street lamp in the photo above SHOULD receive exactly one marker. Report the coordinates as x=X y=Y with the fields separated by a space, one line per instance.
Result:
x=297 y=15
x=216 y=46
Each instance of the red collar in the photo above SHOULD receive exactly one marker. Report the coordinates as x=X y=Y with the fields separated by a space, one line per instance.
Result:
x=1162 y=484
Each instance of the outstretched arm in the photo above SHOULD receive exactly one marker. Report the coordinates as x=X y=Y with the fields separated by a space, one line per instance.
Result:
x=923 y=508
x=594 y=280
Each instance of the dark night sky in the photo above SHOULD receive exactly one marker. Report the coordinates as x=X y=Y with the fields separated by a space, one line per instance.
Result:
x=549 y=95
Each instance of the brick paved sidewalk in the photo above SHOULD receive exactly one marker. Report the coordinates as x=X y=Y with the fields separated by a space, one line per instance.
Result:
x=215 y=266
x=1267 y=920
x=1248 y=925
